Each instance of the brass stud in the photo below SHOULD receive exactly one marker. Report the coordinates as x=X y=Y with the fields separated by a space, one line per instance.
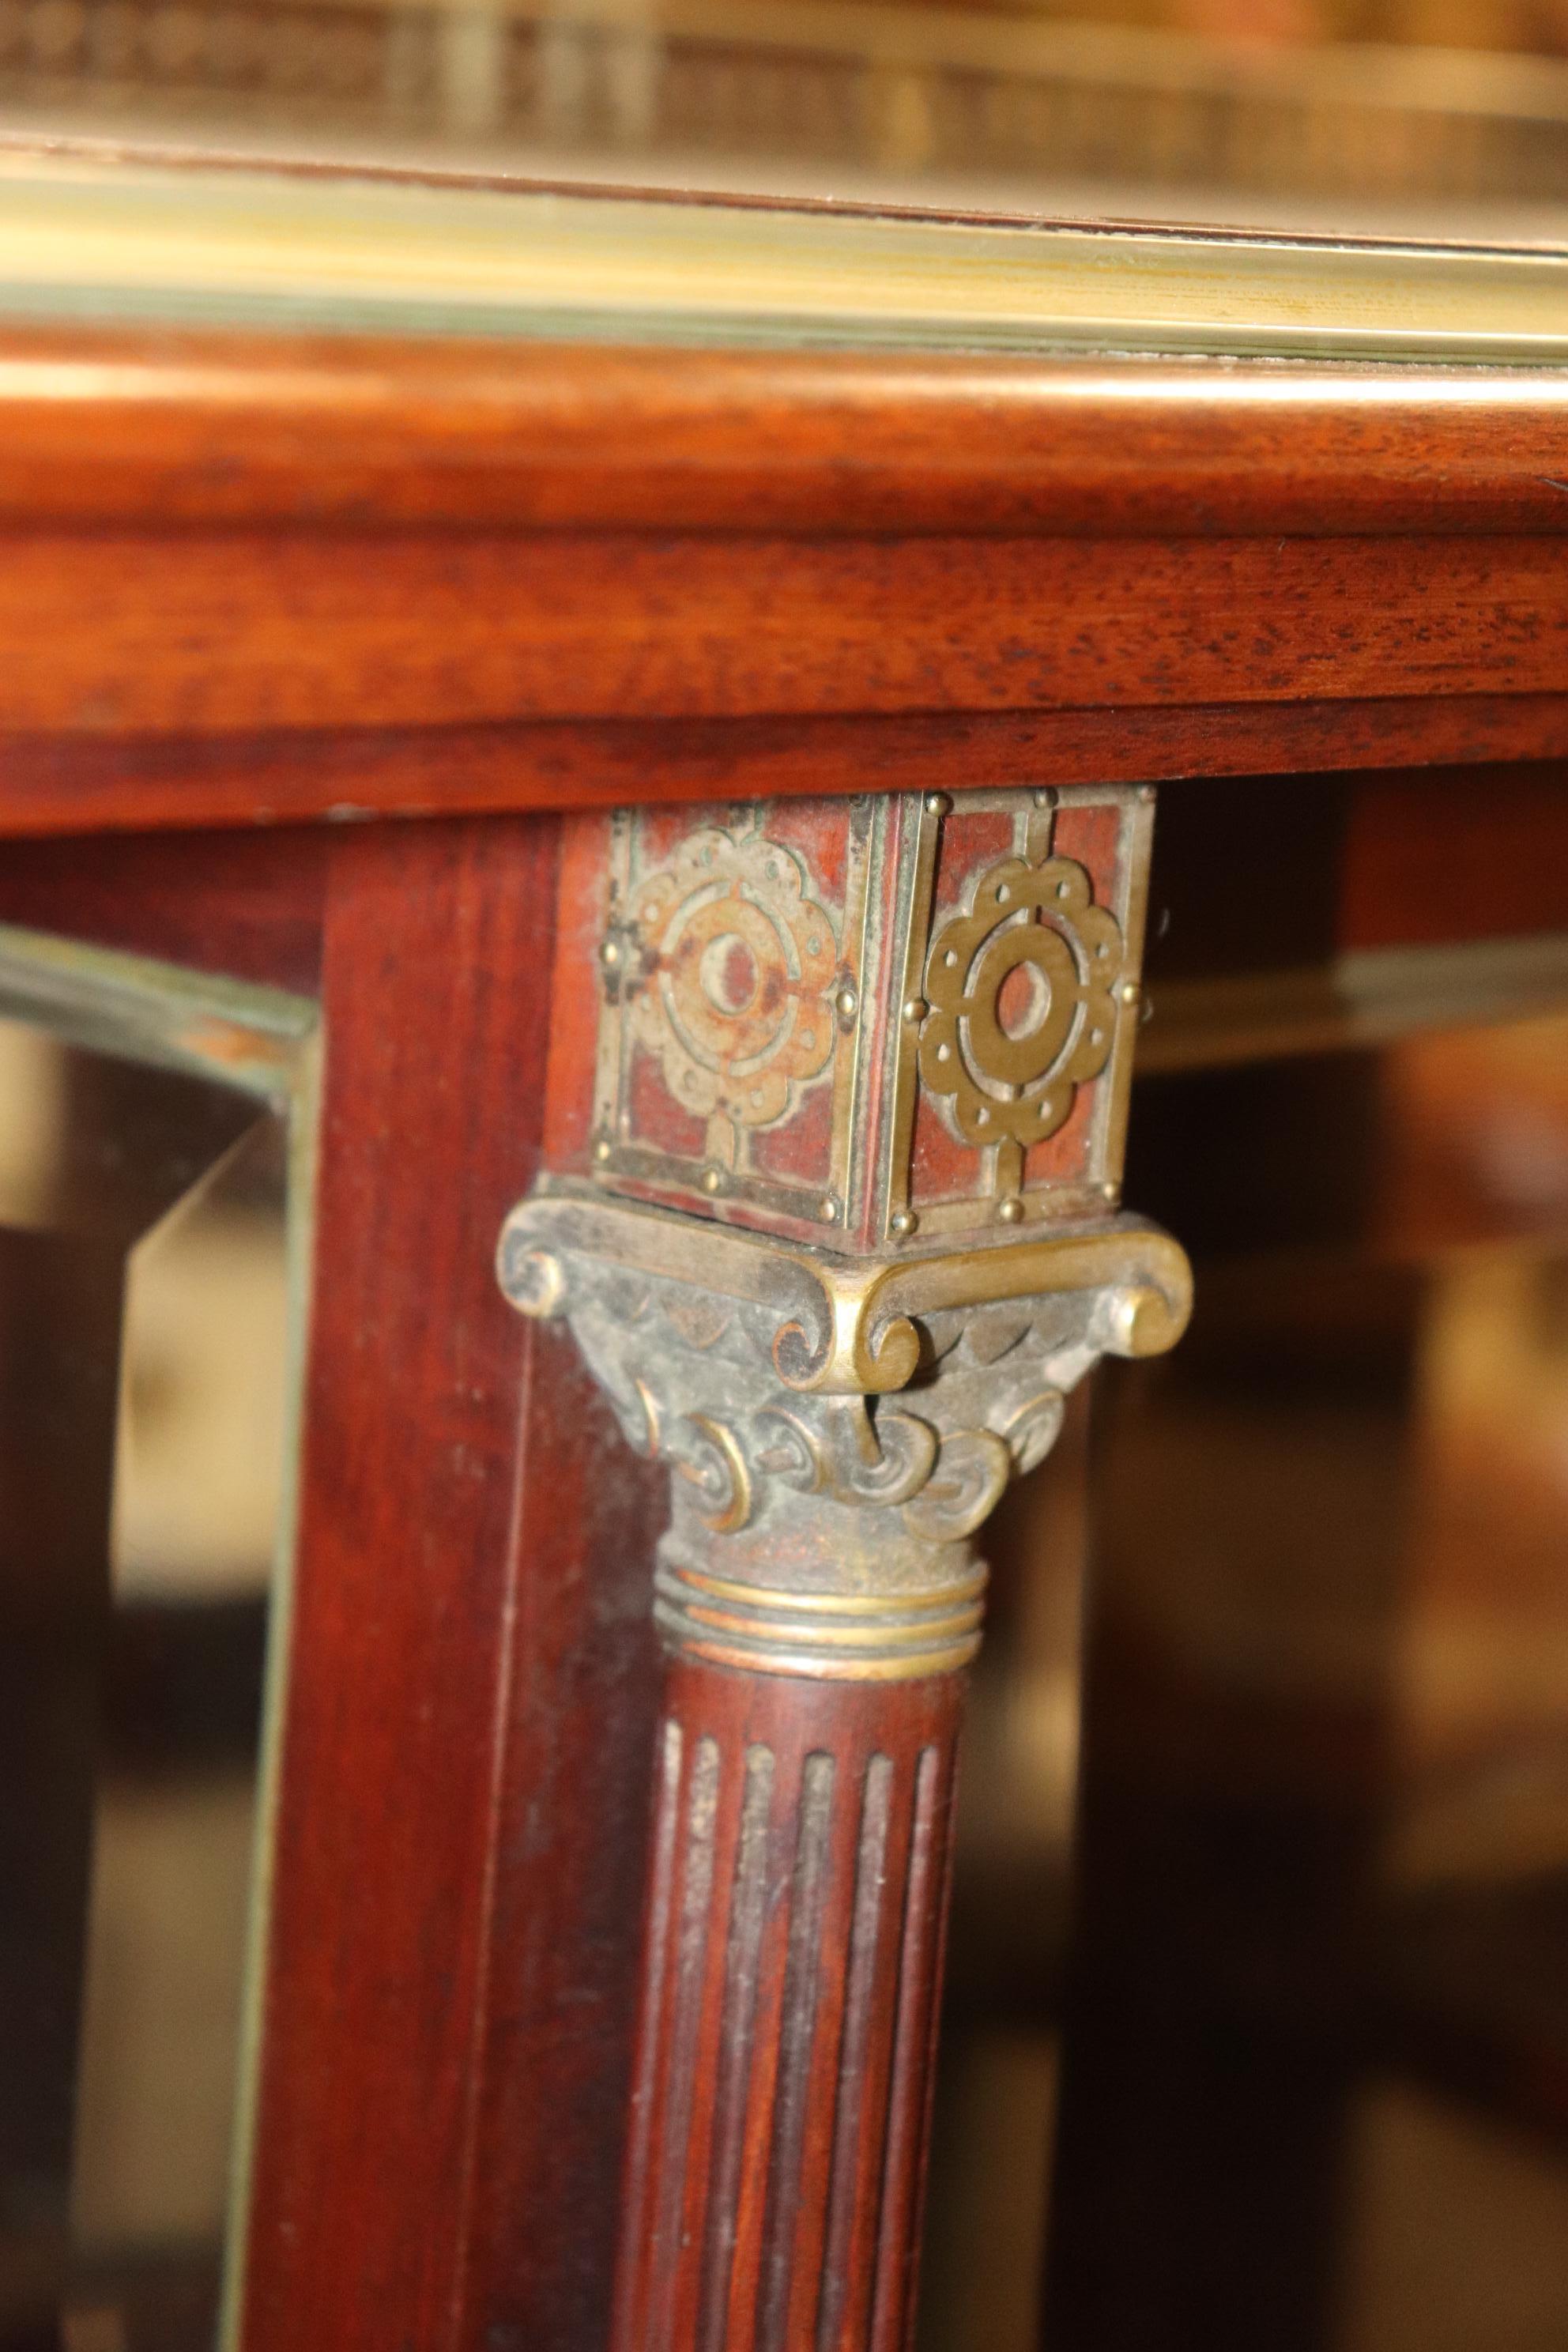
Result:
x=1146 y=793
x=914 y=1009
x=1111 y=1190
x=1130 y=991
x=903 y=1224
x=848 y=1003
x=1045 y=797
x=937 y=803
x=602 y=1149
x=1011 y=1210
x=610 y=952
x=830 y=1211
x=711 y=1179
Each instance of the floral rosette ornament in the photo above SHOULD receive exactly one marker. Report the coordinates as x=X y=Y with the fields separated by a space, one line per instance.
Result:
x=738 y=965
x=1021 y=1004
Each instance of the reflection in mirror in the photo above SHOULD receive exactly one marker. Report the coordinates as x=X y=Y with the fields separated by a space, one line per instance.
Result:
x=144 y=1398
x=1308 y=1988
x=1435 y=118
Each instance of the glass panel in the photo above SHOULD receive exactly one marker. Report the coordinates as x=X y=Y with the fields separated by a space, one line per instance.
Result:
x=145 y=1286
x=1439 y=118
x=1316 y=2043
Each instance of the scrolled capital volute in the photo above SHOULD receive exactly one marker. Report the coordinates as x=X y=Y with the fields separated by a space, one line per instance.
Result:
x=832 y=1209
x=823 y=1524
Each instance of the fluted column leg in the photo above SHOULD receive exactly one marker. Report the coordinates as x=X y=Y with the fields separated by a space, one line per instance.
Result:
x=819 y=1598
x=792 y=1960
x=831 y=1212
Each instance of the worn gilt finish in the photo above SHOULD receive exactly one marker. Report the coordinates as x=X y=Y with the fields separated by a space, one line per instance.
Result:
x=864 y=1022
x=833 y=1147
x=730 y=994
x=837 y=1428
x=729 y=978
x=925 y=1010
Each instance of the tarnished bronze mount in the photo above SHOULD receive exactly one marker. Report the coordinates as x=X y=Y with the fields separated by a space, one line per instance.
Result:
x=818 y=1527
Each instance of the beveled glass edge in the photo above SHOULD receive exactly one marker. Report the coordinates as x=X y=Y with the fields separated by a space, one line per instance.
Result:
x=1367 y=997
x=146 y=1010
x=265 y=1043
x=186 y=241
x=300 y=1245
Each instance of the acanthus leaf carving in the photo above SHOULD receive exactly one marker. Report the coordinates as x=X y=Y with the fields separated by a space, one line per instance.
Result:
x=798 y=1233
x=819 y=1495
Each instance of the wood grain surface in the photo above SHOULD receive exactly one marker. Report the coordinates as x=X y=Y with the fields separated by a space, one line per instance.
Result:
x=459 y=1826
x=246 y=906
x=261 y=583
x=552 y=2049
x=77 y=785
x=120 y=632
x=255 y=578
x=793 y=1953
x=106 y=426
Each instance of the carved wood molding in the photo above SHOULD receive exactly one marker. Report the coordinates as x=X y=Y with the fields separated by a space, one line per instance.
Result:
x=228 y=427
x=801 y=1858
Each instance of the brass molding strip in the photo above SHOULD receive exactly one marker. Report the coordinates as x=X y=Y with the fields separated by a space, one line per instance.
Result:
x=851 y=1327
x=83 y=237
x=963 y=1589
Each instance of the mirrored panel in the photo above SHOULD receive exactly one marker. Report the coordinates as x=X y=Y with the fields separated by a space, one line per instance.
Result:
x=1424 y=118
x=152 y=1143
x=1292 y=2041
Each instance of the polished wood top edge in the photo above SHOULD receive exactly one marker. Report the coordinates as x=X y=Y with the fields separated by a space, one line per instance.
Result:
x=117 y=424
x=86 y=236
x=71 y=785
